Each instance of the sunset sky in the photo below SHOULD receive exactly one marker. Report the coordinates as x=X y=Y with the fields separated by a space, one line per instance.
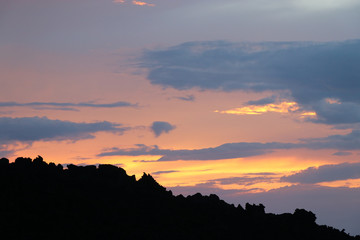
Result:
x=257 y=101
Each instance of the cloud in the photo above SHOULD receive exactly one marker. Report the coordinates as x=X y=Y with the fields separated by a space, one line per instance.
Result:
x=225 y=151
x=243 y=181
x=57 y=109
x=188 y=98
x=336 y=112
x=342 y=154
x=29 y=129
x=283 y=107
x=5 y=153
x=134 y=2
x=325 y=173
x=164 y=172
x=159 y=128
x=66 y=106
x=263 y=101
x=310 y=72
x=349 y=141
x=262 y=173
x=140 y=3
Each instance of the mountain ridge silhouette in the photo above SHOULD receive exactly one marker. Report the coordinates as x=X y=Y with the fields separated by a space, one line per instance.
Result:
x=40 y=200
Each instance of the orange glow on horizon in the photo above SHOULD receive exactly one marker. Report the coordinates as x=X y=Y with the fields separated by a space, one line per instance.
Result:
x=191 y=173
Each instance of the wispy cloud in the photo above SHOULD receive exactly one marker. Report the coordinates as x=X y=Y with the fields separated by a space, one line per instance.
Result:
x=342 y=154
x=66 y=106
x=164 y=172
x=188 y=98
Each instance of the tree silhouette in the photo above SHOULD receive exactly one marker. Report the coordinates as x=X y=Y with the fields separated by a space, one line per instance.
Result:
x=45 y=201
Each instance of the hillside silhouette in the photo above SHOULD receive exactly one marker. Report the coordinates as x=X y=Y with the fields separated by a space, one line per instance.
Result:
x=44 y=201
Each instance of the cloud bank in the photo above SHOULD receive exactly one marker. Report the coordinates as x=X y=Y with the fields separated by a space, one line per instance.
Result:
x=310 y=72
x=225 y=151
x=349 y=141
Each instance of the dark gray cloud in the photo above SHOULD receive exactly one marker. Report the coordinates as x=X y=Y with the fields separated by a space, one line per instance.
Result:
x=311 y=72
x=243 y=181
x=164 y=172
x=66 y=106
x=159 y=127
x=31 y=129
x=188 y=98
x=325 y=173
x=342 y=154
x=349 y=141
x=263 y=101
x=225 y=151
x=57 y=109
x=5 y=153
x=336 y=113
x=262 y=173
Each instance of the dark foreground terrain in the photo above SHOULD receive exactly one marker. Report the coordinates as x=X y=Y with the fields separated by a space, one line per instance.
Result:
x=44 y=201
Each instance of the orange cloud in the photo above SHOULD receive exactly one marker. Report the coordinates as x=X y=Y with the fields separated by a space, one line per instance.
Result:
x=139 y=3
x=134 y=2
x=308 y=114
x=284 y=107
x=332 y=101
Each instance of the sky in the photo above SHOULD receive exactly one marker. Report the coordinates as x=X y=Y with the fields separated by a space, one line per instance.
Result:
x=257 y=101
